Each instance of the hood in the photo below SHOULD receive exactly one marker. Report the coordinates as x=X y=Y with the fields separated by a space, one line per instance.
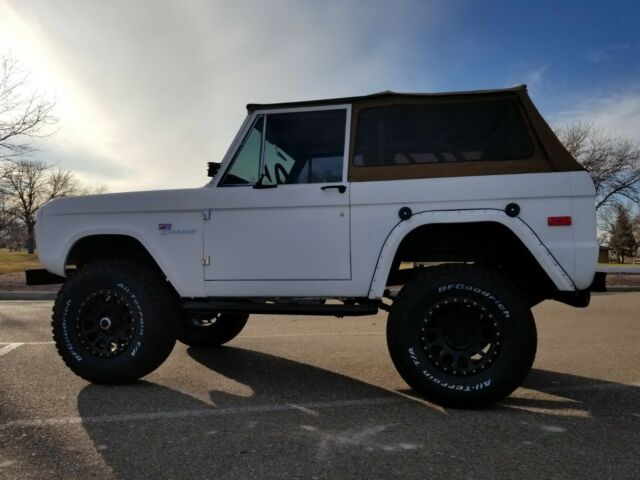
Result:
x=128 y=202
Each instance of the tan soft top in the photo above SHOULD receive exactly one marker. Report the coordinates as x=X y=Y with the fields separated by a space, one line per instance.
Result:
x=386 y=95
x=550 y=155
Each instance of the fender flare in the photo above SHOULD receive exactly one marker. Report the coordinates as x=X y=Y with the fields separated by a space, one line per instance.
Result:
x=79 y=235
x=519 y=227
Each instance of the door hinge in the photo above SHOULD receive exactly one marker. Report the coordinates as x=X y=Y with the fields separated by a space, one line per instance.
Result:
x=206 y=214
x=206 y=260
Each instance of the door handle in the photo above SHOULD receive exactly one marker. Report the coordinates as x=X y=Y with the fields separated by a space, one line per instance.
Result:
x=340 y=188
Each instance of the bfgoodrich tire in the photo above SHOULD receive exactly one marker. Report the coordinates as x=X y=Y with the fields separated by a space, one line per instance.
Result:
x=212 y=332
x=461 y=335
x=115 y=321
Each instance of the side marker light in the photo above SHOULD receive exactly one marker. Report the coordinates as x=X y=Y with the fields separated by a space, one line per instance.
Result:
x=559 y=221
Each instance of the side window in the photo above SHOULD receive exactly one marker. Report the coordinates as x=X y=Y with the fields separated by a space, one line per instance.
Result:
x=246 y=163
x=441 y=132
x=304 y=147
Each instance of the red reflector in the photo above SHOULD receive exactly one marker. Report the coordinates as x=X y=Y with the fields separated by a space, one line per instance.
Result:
x=559 y=221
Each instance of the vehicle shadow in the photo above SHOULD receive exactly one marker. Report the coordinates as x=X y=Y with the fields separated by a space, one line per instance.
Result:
x=298 y=422
x=570 y=391
x=276 y=379
x=551 y=393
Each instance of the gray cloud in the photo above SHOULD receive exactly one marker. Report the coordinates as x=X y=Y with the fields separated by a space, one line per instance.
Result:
x=153 y=90
x=616 y=114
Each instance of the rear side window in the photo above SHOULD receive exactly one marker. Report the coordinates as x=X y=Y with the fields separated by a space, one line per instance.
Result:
x=441 y=132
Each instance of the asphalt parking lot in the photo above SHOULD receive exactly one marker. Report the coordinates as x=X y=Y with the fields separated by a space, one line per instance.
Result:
x=302 y=397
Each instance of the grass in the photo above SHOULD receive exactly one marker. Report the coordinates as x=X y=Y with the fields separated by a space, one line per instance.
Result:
x=17 y=261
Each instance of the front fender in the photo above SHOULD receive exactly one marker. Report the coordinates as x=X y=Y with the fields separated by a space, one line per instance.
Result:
x=519 y=227
x=179 y=256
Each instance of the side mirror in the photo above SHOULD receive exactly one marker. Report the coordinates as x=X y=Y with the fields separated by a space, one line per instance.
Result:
x=212 y=168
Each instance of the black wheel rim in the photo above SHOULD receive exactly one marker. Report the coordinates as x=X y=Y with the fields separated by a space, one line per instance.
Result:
x=460 y=336
x=106 y=324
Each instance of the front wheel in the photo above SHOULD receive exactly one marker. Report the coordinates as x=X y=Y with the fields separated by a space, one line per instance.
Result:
x=461 y=335
x=114 y=321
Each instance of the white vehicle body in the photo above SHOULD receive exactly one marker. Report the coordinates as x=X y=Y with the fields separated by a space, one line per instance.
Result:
x=300 y=240
x=247 y=246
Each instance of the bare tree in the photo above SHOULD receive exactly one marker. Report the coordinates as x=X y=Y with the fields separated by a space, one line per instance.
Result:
x=62 y=183
x=24 y=113
x=7 y=216
x=613 y=162
x=26 y=185
x=16 y=236
x=95 y=190
x=30 y=184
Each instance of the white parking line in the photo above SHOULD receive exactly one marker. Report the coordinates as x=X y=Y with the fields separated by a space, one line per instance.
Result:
x=9 y=348
x=200 y=412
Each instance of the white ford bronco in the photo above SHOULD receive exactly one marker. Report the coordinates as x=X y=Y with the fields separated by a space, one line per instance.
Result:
x=456 y=212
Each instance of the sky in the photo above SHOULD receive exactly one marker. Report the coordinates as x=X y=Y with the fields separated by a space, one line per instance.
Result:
x=147 y=92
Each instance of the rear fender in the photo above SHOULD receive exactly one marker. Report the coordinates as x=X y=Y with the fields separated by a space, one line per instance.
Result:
x=527 y=236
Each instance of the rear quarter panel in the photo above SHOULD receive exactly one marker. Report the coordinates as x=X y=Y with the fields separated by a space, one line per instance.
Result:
x=375 y=206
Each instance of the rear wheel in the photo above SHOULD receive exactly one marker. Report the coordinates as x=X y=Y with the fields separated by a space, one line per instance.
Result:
x=211 y=332
x=114 y=321
x=461 y=335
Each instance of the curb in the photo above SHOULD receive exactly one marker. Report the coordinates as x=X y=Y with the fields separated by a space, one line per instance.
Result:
x=622 y=289
x=28 y=295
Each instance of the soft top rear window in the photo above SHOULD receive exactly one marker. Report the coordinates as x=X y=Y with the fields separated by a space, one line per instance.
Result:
x=441 y=132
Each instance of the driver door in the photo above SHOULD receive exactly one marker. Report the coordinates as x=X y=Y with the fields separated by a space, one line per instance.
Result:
x=280 y=211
